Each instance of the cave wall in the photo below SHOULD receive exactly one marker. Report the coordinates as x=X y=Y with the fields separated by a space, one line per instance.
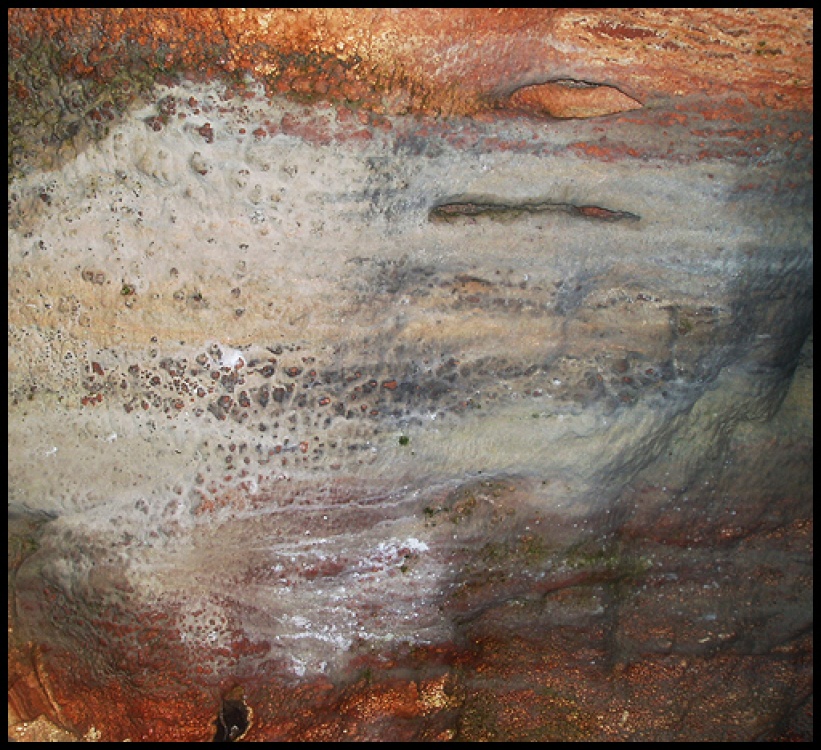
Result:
x=410 y=374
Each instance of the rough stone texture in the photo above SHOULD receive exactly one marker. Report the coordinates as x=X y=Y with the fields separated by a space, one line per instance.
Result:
x=410 y=375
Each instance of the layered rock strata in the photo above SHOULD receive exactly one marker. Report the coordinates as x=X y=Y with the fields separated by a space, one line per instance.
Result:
x=331 y=419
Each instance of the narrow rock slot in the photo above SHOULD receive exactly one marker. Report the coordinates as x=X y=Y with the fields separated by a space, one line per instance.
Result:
x=500 y=211
x=234 y=717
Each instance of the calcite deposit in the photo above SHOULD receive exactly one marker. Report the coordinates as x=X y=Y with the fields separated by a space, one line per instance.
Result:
x=410 y=375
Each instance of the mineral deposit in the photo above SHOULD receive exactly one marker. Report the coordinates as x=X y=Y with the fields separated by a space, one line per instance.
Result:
x=410 y=375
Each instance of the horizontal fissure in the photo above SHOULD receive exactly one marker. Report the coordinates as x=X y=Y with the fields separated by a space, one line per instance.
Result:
x=503 y=211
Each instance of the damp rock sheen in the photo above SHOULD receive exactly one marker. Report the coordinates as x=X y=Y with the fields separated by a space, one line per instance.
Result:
x=361 y=389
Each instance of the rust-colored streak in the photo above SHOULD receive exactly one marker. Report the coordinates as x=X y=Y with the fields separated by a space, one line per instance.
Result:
x=450 y=61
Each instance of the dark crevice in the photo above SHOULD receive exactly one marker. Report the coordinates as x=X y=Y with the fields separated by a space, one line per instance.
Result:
x=501 y=211
x=575 y=83
x=234 y=717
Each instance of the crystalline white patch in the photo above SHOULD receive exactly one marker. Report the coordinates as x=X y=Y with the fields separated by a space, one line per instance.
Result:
x=415 y=545
x=230 y=357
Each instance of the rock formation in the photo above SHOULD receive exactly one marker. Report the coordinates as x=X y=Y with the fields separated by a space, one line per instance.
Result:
x=410 y=374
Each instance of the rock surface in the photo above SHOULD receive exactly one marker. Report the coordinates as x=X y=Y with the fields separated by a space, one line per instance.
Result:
x=362 y=389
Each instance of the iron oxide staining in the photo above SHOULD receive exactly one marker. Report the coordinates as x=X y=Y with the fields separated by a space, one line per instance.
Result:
x=467 y=209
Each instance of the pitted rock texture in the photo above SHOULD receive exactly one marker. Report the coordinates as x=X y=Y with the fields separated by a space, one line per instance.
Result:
x=331 y=421
x=74 y=71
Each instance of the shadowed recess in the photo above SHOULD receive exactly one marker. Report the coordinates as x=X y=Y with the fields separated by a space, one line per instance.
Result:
x=465 y=208
x=234 y=718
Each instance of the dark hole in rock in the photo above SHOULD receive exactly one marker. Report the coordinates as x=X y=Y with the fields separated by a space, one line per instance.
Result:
x=233 y=719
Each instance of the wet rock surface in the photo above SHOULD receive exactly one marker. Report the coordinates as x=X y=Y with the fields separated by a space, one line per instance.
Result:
x=330 y=419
